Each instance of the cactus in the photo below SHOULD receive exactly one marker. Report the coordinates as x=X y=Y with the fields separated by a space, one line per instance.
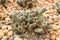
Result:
x=41 y=11
x=21 y=29
x=25 y=3
x=57 y=6
x=30 y=21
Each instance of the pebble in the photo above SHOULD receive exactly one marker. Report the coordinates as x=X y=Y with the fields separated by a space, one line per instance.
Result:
x=1 y=33
x=4 y=38
x=54 y=27
x=33 y=33
x=1 y=15
x=46 y=15
x=58 y=32
x=51 y=21
x=4 y=27
x=50 y=17
x=10 y=33
x=58 y=26
x=5 y=31
x=57 y=38
x=0 y=22
x=47 y=36
x=17 y=38
x=25 y=38
x=7 y=19
x=46 y=39
x=5 y=16
x=51 y=1
x=56 y=23
x=9 y=27
x=53 y=35
x=55 y=19
x=53 y=32
x=54 y=16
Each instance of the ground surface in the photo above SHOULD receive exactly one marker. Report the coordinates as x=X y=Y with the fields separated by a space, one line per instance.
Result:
x=6 y=32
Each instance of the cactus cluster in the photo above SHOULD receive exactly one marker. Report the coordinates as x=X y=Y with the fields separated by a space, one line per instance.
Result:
x=31 y=21
x=57 y=6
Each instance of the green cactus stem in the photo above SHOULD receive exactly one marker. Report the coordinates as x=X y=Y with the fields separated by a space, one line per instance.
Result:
x=41 y=10
x=21 y=29
x=39 y=30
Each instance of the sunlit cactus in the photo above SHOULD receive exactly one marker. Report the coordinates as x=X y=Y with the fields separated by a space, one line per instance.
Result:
x=42 y=10
x=32 y=21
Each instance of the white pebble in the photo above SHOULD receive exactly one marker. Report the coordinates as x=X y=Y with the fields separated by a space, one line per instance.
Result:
x=4 y=36
x=10 y=33
x=54 y=16
x=4 y=27
x=9 y=27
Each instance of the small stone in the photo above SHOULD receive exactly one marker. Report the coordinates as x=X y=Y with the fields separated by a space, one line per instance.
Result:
x=9 y=27
x=0 y=22
x=10 y=33
x=47 y=36
x=51 y=21
x=1 y=15
x=4 y=27
x=51 y=1
x=57 y=38
x=1 y=33
x=53 y=37
x=3 y=39
x=55 y=19
x=5 y=16
x=46 y=15
x=7 y=19
x=5 y=31
x=56 y=23
x=50 y=17
x=46 y=39
x=53 y=32
x=17 y=38
x=33 y=33
x=54 y=27
x=58 y=32
x=58 y=27
x=25 y=38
